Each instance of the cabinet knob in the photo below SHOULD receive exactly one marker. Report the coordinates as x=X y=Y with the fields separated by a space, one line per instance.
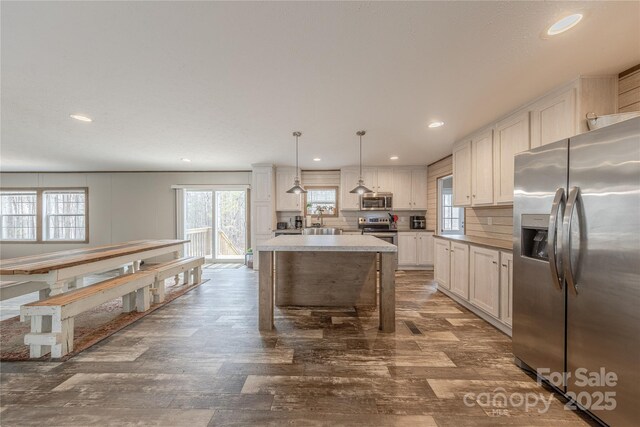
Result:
x=504 y=265
x=495 y=262
x=452 y=251
x=467 y=197
x=474 y=196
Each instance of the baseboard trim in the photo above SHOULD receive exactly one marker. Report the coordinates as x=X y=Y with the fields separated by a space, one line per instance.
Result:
x=478 y=312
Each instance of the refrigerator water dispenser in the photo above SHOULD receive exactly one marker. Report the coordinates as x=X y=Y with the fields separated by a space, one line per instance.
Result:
x=534 y=236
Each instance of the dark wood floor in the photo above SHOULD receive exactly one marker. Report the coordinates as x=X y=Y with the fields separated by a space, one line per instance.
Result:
x=201 y=361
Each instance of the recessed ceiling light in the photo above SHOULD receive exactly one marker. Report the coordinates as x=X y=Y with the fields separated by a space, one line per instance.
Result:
x=184 y=159
x=564 y=24
x=436 y=124
x=394 y=158
x=81 y=118
x=316 y=159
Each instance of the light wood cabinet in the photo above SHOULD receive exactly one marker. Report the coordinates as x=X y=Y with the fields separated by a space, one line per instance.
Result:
x=419 y=189
x=402 y=189
x=348 y=181
x=262 y=184
x=553 y=118
x=370 y=178
x=407 y=254
x=441 y=266
x=459 y=276
x=262 y=206
x=511 y=137
x=484 y=280
x=482 y=169
x=479 y=278
x=424 y=248
x=506 y=287
x=284 y=181
x=384 y=181
x=378 y=180
x=415 y=249
x=408 y=185
x=462 y=174
x=264 y=218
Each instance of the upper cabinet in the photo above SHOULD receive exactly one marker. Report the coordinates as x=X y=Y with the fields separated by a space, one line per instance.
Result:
x=462 y=174
x=402 y=189
x=408 y=185
x=511 y=136
x=419 y=189
x=262 y=184
x=348 y=181
x=552 y=118
x=483 y=165
x=482 y=169
x=284 y=181
x=384 y=182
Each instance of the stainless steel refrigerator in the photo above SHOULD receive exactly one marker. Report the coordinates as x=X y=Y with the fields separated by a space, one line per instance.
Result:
x=576 y=295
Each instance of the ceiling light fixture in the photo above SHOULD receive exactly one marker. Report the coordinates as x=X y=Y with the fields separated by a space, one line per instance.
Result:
x=316 y=159
x=81 y=118
x=564 y=24
x=297 y=188
x=360 y=188
x=184 y=159
x=394 y=158
x=436 y=124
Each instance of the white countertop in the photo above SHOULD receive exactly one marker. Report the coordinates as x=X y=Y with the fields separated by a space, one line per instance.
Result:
x=338 y=243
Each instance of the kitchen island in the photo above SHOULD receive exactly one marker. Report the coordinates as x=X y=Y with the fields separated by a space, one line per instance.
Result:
x=333 y=271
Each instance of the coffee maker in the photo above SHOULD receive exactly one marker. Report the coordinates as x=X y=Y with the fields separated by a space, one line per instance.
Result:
x=299 y=221
x=418 y=222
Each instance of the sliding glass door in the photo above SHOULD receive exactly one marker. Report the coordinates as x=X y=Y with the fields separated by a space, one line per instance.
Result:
x=231 y=225
x=216 y=224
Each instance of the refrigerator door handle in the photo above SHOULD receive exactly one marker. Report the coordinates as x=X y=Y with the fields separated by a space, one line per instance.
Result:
x=572 y=199
x=558 y=202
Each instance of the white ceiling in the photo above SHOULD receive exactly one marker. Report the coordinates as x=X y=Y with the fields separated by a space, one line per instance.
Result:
x=225 y=84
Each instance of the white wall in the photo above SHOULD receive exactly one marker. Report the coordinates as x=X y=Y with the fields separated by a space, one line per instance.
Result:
x=122 y=206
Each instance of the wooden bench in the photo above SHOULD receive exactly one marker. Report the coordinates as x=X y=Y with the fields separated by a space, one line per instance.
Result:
x=52 y=319
x=190 y=267
x=15 y=289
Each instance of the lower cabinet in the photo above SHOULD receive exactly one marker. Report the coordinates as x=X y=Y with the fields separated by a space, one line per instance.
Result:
x=415 y=249
x=441 y=266
x=479 y=278
x=484 y=279
x=459 y=276
x=506 y=287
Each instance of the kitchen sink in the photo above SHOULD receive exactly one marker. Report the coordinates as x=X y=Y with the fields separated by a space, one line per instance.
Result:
x=321 y=231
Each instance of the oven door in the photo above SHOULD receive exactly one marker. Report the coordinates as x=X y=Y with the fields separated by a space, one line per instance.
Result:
x=375 y=203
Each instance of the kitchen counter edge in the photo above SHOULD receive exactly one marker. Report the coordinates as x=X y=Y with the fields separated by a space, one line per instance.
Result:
x=479 y=241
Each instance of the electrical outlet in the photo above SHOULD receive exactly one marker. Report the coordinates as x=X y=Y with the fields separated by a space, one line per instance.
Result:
x=489 y=220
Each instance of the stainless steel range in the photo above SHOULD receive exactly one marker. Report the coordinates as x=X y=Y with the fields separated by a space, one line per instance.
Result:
x=380 y=227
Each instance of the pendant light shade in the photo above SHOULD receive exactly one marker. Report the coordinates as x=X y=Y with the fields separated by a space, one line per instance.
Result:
x=297 y=188
x=360 y=188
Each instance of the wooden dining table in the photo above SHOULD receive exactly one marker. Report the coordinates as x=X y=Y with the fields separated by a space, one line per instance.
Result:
x=59 y=269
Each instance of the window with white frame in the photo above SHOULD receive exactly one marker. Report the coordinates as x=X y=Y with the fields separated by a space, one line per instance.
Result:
x=451 y=218
x=18 y=215
x=44 y=215
x=321 y=199
x=64 y=215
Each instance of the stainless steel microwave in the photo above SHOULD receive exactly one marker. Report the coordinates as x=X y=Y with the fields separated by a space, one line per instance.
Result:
x=376 y=202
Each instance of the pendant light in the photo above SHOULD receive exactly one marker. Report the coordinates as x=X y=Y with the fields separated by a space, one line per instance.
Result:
x=297 y=188
x=360 y=189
